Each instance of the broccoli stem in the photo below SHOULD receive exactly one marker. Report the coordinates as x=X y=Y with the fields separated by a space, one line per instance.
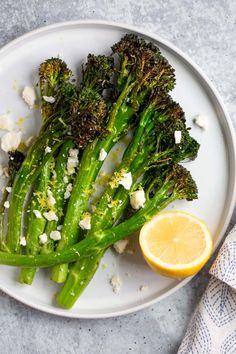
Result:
x=2 y=213
x=80 y=275
x=35 y=226
x=5 y=195
x=27 y=174
x=58 y=190
x=100 y=240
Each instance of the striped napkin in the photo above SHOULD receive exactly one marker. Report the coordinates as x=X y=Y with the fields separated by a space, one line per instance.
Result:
x=212 y=329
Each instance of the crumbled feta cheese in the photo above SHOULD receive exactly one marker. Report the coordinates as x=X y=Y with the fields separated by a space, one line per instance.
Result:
x=29 y=141
x=8 y=189
x=29 y=96
x=137 y=199
x=116 y=283
x=50 y=199
x=7 y=204
x=85 y=223
x=120 y=246
x=5 y=122
x=68 y=191
x=43 y=238
x=66 y=195
x=72 y=163
x=65 y=179
x=143 y=288
x=49 y=99
x=178 y=136
x=55 y=235
x=102 y=155
x=126 y=180
x=23 y=241
x=47 y=150
x=73 y=152
x=10 y=141
x=201 y=121
x=59 y=227
x=38 y=214
x=50 y=216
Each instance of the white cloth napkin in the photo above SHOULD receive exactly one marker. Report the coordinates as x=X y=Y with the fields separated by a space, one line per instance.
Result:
x=212 y=329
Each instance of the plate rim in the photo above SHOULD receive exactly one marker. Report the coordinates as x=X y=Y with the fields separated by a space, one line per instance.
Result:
x=231 y=144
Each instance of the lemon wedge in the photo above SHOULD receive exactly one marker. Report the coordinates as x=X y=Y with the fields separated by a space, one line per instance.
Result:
x=175 y=244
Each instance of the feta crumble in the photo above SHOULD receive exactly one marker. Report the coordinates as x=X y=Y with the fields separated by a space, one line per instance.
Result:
x=65 y=179
x=10 y=141
x=126 y=180
x=116 y=283
x=59 y=227
x=47 y=150
x=178 y=136
x=43 y=238
x=29 y=96
x=49 y=99
x=38 y=214
x=137 y=199
x=23 y=241
x=5 y=122
x=120 y=246
x=55 y=235
x=73 y=152
x=68 y=191
x=51 y=201
x=7 y=204
x=102 y=155
x=8 y=189
x=201 y=121
x=85 y=223
x=50 y=216
x=72 y=163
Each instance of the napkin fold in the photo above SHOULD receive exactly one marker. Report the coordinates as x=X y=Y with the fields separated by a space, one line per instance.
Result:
x=212 y=329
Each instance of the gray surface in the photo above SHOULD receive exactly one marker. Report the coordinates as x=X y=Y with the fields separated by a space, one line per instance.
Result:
x=206 y=31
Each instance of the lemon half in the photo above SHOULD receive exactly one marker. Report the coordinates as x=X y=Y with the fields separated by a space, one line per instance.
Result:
x=175 y=244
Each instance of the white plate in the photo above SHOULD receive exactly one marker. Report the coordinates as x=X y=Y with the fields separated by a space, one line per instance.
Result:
x=214 y=169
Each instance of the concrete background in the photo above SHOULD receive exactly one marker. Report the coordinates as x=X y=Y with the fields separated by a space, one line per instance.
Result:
x=205 y=30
